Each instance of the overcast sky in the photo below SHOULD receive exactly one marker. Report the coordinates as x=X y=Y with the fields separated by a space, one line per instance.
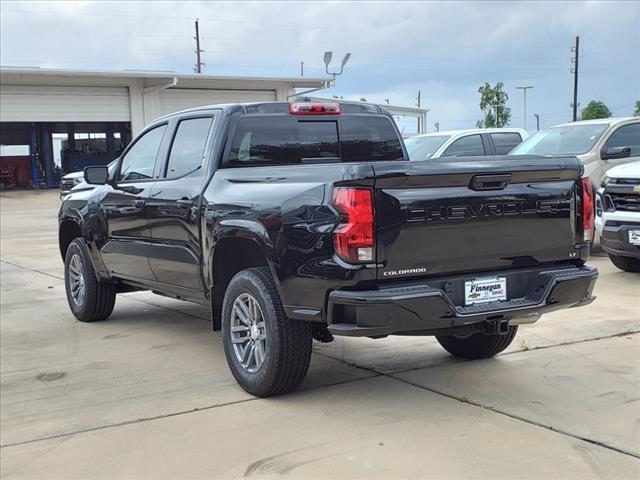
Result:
x=444 y=49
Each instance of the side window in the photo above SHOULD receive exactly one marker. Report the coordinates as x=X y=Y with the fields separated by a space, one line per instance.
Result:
x=140 y=160
x=503 y=143
x=626 y=136
x=188 y=145
x=465 y=146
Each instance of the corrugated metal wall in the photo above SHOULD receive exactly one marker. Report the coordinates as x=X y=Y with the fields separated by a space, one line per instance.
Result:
x=53 y=103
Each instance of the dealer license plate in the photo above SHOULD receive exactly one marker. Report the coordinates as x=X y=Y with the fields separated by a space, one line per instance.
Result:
x=485 y=290
x=634 y=237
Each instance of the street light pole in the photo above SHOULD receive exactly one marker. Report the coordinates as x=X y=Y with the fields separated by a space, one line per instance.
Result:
x=524 y=90
x=327 y=61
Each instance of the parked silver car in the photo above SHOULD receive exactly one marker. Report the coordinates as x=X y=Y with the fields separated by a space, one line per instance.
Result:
x=464 y=143
x=599 y=144
x=70 y=180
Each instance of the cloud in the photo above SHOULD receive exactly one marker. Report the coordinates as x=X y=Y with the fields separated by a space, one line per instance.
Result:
x=444 y=49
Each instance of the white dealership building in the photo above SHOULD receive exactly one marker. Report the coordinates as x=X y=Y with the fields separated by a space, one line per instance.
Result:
x=54 y=121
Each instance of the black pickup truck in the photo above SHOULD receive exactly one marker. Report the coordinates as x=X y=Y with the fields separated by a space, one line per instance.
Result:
x=295 y=221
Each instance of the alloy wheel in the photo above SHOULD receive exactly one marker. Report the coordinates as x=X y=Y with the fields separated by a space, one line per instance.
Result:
x=76 y=280
x=248 y=334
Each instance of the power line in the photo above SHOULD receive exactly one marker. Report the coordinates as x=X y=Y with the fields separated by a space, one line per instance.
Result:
x=167 y=17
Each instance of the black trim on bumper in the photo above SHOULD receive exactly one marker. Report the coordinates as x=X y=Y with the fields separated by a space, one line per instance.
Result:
x=435 y=305
x=615 y=239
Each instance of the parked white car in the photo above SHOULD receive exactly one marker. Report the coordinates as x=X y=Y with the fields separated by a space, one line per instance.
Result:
x=464 y=143
x=599 y=144
x=618 y=215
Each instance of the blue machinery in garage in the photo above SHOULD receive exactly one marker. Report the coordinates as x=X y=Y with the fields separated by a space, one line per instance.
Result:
x=82 y=144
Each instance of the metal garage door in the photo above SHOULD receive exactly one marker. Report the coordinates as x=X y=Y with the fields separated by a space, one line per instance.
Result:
x=54 y=103
x=173 y=100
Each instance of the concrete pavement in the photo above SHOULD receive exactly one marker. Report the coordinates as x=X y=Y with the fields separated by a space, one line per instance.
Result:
x=147 y=394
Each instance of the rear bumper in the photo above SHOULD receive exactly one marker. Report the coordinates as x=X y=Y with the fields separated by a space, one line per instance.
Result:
x=436 y=305
x=615 y=238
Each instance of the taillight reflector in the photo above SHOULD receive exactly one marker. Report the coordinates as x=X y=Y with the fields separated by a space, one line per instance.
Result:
x=354 y=239
x=587 y=209
x=308 y=108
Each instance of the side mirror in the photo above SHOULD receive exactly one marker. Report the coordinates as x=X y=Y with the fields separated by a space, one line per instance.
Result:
x=615 y=152
x=96 y=175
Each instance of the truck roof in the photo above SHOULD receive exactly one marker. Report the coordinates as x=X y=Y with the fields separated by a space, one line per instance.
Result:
x=597 y=121
x=470 y=131
x=283 y=107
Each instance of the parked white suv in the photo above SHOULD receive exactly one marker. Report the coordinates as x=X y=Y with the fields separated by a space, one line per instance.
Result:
x=464 y=143
x=618 y=215
x=599 y=144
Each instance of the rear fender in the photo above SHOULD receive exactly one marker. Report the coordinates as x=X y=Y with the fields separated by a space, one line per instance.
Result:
x=241 y=229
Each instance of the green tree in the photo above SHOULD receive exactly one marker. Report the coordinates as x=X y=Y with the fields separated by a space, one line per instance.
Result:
x=493 y=103
x=595 y=109
x=636 y=112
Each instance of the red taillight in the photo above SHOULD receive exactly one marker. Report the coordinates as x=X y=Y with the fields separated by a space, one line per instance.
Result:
x=354 y=238
x=308 y=108
x=587 y=210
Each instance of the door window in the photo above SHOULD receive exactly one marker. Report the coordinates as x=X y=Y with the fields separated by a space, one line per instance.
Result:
x=626 y=136
x=139 y=162
x=188 y=145
x=503 y=143
x=465 y=146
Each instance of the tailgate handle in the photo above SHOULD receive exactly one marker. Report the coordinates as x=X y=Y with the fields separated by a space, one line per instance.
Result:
x=490 y=182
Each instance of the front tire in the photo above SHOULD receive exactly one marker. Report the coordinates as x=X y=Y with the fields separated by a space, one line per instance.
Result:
x=268 y=353
x=89 y=299
x=628 y=264
x=477 y=345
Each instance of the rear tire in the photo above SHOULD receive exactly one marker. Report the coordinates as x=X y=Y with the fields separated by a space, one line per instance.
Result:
x=477 y=345
x=89 y=299
x=268 y=353
x=628 y=264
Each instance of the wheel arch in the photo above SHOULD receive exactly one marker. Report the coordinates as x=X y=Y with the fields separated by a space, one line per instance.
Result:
x=68 y=230
x=233 y=253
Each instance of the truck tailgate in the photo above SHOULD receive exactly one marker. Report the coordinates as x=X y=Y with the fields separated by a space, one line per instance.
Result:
x=473 y=214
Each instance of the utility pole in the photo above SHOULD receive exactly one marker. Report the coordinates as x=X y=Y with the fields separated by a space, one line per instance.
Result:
x=524 y=90
x=419 y=107
x=302 y=69
x=537 y=121
x=199 y=64
x=576 y=50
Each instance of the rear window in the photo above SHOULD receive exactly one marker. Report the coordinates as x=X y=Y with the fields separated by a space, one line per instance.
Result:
x=503 y=143
x=286 y=140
